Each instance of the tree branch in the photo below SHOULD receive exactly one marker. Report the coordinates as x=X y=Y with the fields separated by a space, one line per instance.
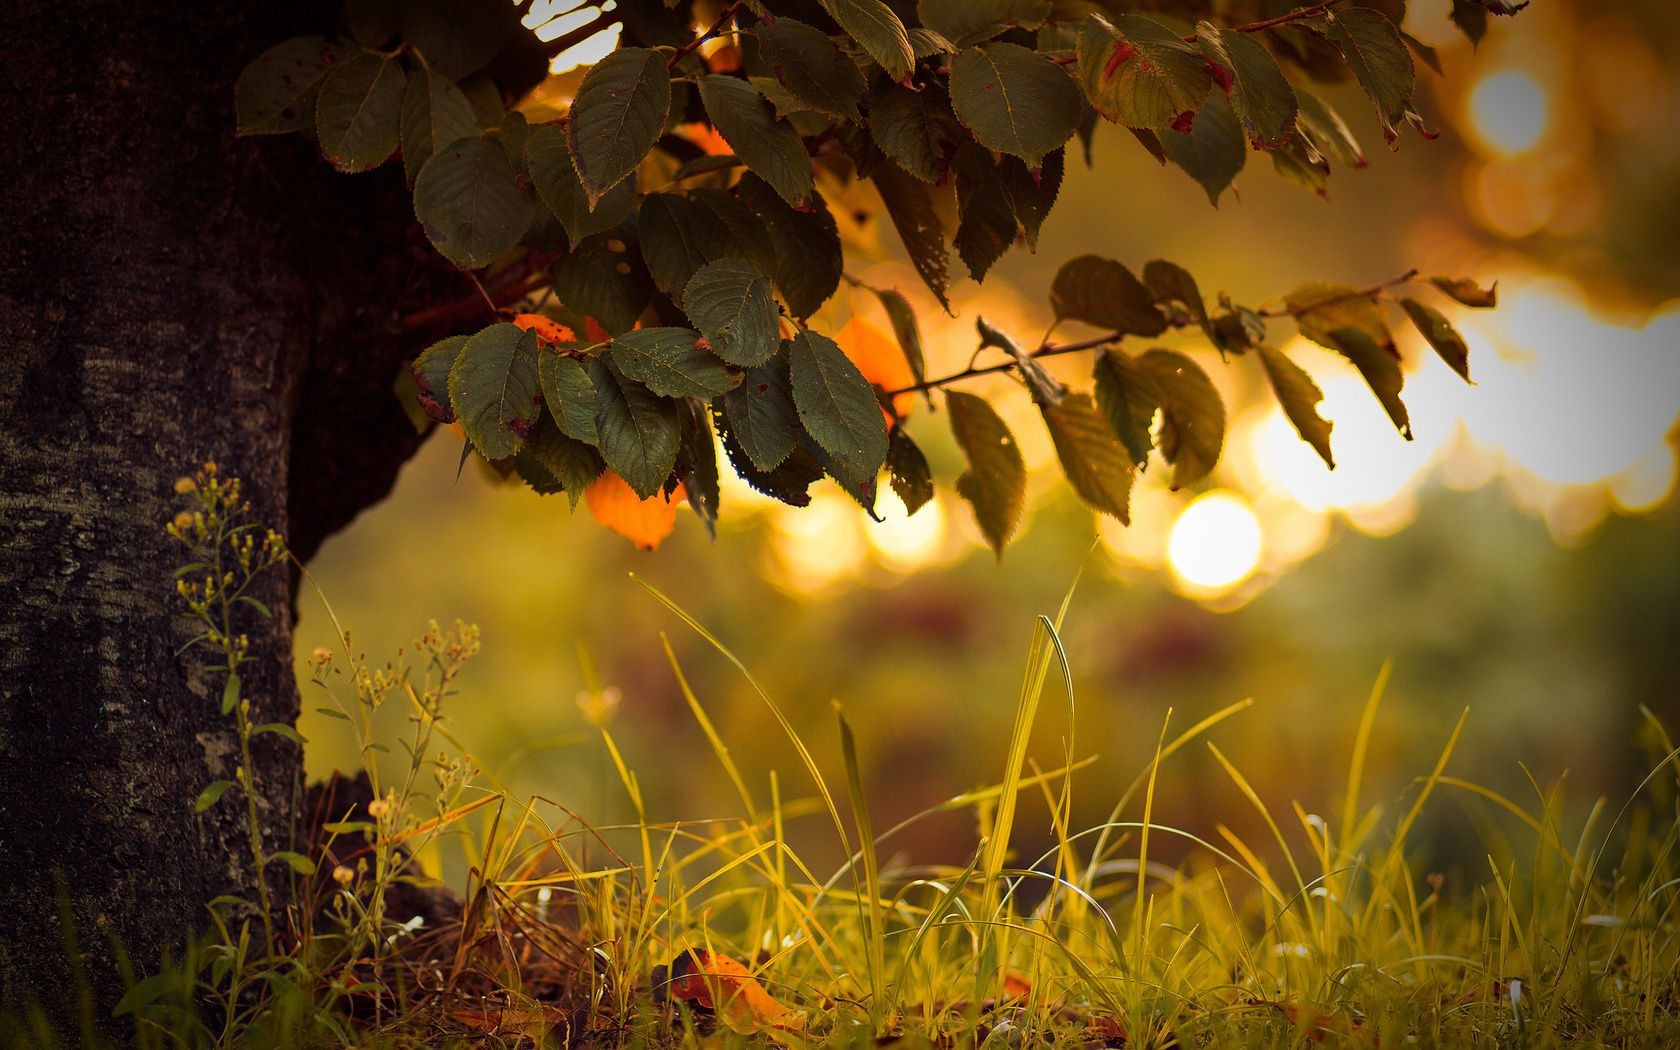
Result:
x=717 y=27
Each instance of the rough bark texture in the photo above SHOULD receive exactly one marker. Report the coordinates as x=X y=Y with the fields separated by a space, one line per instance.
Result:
x=168 y=294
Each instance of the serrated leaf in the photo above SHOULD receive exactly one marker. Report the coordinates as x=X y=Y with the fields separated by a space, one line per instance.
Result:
x=603 y=277
x=471 y=203
x=874 y=26
x=732 y=305
x=620 y=109
x=495 y=391
x=1176 y=293
x=1440 y=334
x=1192 y=415
x=811 y=67
x=1380 y=367
x=434 y=113
x=639 y=431
x=292 y=859
x=1104 y=293
x=1259 y=93
x=806 y=245
x=1466 y=292
x=1212 y=151
x=915 y=128
x=276 y=93
x=1325 y=131
x=211 y=794
x=457 y=37
x=1032 y=192
x=1128 y=399
x=671 y=362
x=572 y=464
x=995 y=483
x=1299 y=397
x=836 y=405
x=912 y=478
x=431 y=377
x=925 y=43
x=965 y=22
x=745 y=227
x=556 y=181
x=1378 y=57
x=1015 y=100
x=358 y=113
x=905 y=329
x=1471 y=19
x=569 y=394
x=910 y=205
x=986 y=223
x=788 y=482
x=1095 y=464
x=766 y=143
x=1139 y=73
x=1320 y=308
x=678 y=236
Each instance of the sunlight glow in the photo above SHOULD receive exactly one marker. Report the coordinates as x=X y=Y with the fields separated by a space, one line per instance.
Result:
x=1509 y=112
x=1215 y=543
x=904 y=542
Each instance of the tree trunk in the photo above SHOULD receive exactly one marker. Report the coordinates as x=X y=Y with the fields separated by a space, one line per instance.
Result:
x=167 y=295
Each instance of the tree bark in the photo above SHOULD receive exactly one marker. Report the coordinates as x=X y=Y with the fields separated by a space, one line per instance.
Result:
x=168 y=294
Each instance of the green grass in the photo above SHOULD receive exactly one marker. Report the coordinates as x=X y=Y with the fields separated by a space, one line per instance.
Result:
x=1566 y=937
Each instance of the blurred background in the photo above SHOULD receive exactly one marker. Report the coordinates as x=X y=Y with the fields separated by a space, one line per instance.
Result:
x=1520 y=558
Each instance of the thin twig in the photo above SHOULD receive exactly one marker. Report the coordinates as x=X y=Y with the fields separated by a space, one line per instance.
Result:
x=1363 y=293
x=717 y=27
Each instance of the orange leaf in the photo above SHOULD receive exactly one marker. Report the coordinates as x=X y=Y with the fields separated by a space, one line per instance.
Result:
x=878 y=357
x=547 y=329
x=695 y=976
x=706 y=137
x=644 y=522
x=1016 y=986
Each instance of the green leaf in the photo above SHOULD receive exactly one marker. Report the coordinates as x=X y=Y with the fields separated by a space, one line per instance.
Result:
x=836 y=405
x=1032 y=193
x=788 y=482
x=732 y=304
x=910 y=205
x=672 y=362
x=1192 y=415
x=1015 y=100
x=292 y=859
x=556 y=180
x=1176 y=293
x=1467 y=292
x=912 y=478
x=279 y=729
x=915 y=128
x=769 y=145
x=1380 y=366
x=1127 y=397
x=1095 y=464
x=679 y=235
x=276 y=93
x=1212 y=151
x=1299 y=396
x=905 y=329
x=811 y=67
x=1259 y=93
x=745 y=227
x=874 y=26
x=965 y=22
x=762 y=416
x=1374 y=50
x=995 y=483
x=1325 y=130
x=806 y=245
x=495 y=390
x=620 y=109
x=457 y=37
x=230 y=693
x=1441 y=335
x=697 y=462
x=571 y=463
x=639 y=431
x=1139 y=73
x=603 y=277
x=1471 y=19
x=358 y=113
x=986 y=223
x=569 y=393
x=1320 y=308
x=1104 y=293
x=211 y=793
x=434 y=114
x=471 y=203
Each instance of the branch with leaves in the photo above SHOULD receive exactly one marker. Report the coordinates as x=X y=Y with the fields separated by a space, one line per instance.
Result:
x=656 y=260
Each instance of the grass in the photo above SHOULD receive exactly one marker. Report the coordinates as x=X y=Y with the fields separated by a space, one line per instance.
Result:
x=719 y=933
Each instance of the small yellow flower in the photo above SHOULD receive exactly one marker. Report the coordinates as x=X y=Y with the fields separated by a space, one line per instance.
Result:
x=184 y=520
x=343 y=876
x=378 y=808
x=183 y=486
